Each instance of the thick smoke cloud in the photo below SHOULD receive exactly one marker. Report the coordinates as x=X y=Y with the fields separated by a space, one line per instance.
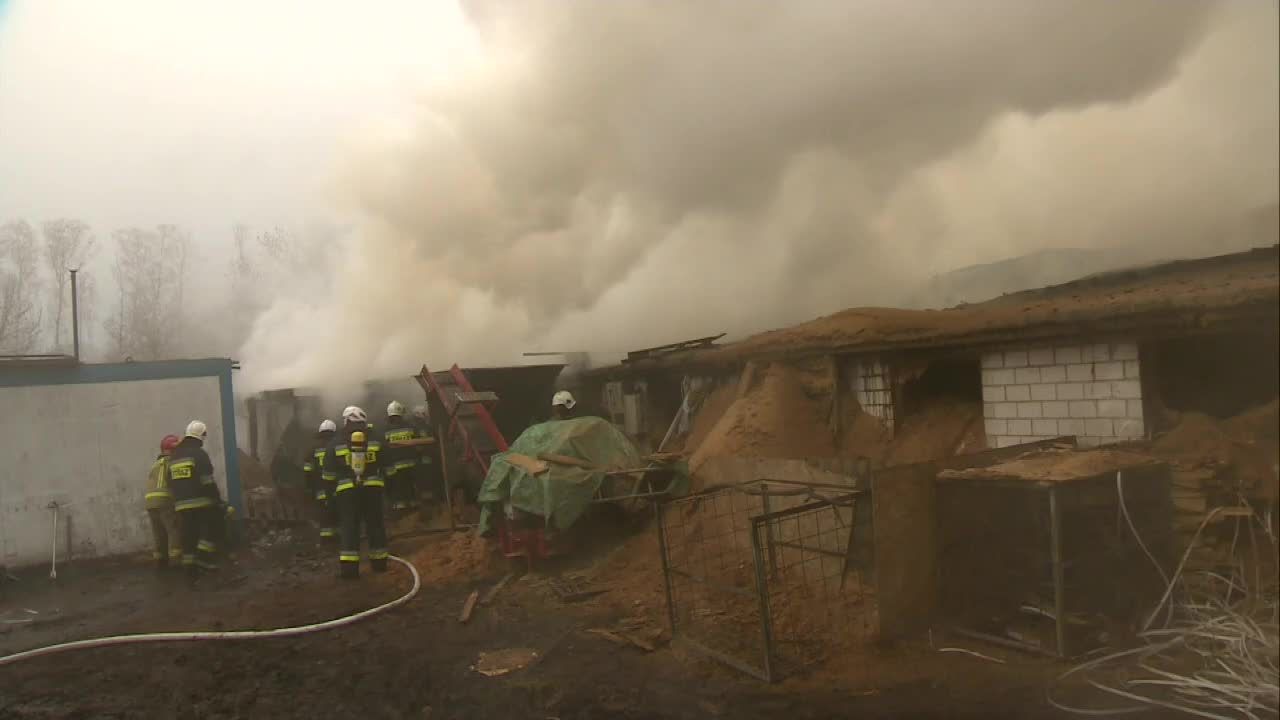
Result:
x=612 y=175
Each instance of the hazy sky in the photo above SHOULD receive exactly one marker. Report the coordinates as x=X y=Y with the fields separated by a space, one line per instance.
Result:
x=136 y=112
x=611 y=174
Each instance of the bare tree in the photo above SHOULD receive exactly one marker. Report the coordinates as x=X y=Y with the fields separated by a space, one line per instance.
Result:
x=150 y=272
x=20 y=314
x=68 y=244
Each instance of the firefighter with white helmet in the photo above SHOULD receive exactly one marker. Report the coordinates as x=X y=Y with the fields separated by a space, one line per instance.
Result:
x=321 y=484
x=562 y=404
x=400 y=463
x=197 y=500
x=353 y=460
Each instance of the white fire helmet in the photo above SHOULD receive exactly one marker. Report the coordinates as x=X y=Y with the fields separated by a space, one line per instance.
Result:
x=197 y=430
x=395 y=409
x=565 y=398
x=353 y=414
x=328 y=426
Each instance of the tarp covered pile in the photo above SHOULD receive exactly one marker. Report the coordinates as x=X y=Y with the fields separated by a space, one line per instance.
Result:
x=560 y=491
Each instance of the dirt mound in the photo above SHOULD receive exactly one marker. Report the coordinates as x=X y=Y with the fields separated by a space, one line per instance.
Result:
x=1247 y=442
x=455 y=556
x=941 y=430
x=252 y=472
x=775 y=418
x=709 y=413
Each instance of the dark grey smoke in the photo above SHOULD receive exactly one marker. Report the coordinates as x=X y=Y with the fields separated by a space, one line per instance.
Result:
x=618 y=173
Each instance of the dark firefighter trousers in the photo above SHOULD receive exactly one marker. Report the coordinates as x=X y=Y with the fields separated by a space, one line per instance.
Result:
x=326 y=515
x=201 y=534
x=361 y=508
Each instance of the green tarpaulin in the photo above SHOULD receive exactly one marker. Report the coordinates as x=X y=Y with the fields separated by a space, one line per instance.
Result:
x=559 y=492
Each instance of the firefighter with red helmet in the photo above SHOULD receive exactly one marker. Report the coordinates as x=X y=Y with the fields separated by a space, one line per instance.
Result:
x=159 y=504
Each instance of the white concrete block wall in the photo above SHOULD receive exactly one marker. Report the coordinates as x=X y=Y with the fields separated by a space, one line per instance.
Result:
x=872 y=384
x=89 y=447
x=1035 y=393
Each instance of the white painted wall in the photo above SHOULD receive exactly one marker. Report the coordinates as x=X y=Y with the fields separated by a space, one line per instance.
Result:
x=1091 y=391
x=89 y=446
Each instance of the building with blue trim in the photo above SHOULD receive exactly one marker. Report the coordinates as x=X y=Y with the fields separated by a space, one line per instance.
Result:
x=78 y=440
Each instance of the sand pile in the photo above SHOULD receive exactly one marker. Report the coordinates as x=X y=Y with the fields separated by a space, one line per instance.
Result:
x=1249 y=443
x=943 y=429
x=709 y=413
x=775 y=418
x=783 y=415
x=455 y=556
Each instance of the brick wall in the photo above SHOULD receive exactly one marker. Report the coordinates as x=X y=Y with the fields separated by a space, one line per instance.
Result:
x=873 y=386
x=1091 y=391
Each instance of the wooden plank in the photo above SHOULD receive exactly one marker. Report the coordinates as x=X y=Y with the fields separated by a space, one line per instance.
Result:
x=566 y=460
x=478 y=396
x=469 y=607
x=533 y=466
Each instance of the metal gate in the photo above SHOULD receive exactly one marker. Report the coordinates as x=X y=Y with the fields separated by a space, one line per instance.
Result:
x=767 y=577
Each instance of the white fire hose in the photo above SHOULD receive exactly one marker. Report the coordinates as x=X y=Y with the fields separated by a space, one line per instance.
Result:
x=229 y=635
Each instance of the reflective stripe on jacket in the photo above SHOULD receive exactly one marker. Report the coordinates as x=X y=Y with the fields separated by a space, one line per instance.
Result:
x=190 y=474
x=158 y=495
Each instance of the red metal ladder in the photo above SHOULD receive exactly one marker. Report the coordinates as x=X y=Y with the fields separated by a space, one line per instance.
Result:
x=465 y=403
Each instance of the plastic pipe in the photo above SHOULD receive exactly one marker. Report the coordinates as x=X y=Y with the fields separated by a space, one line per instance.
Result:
x=53 y=565
x=229 y=635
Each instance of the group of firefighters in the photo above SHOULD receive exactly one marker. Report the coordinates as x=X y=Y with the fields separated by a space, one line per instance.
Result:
x=348 y=472
x=351 y=469
x=184 y=503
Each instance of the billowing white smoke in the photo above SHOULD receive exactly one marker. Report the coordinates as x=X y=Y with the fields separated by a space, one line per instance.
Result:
x=621 y=174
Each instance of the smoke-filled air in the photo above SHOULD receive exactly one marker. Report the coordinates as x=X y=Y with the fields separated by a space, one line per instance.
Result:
x=599 y=176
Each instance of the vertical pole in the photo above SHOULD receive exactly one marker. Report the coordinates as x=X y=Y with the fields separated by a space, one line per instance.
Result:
x=762 y=594
x=666 y=565
x=772 y=539
x=75 y=316
x=444 y=475
x=1055 y=550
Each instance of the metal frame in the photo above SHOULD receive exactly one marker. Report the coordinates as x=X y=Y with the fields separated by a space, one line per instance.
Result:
x=1153 y=513
x=695 y=571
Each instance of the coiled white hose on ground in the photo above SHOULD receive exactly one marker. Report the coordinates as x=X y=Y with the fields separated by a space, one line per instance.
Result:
x=229 y=635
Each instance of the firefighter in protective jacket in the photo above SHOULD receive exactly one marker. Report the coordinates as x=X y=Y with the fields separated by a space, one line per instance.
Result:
x=352 y=459
x=400 y=464
x=321 y=484
x=159 y=503
x=197 y=500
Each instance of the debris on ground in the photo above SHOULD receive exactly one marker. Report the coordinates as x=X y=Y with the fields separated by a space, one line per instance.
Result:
x=645 y=638
x=572 y=589
x=494 y=663
x=469 y=607
x=497 y=588
x=272 y=538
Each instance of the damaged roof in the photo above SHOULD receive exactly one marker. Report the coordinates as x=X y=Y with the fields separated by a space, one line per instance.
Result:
x=1169 y=299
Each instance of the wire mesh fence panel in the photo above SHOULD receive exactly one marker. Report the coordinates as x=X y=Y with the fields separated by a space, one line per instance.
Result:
x=710 y=572
x=819 y=600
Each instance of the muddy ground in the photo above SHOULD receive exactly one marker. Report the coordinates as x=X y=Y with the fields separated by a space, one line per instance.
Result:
x=417 y=661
